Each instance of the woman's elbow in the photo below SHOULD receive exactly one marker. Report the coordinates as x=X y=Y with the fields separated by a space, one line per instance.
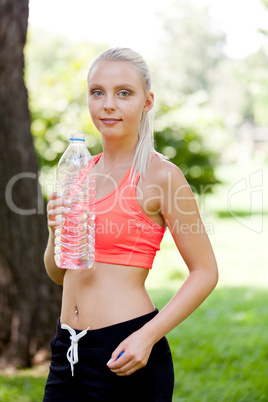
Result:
x=214 y=276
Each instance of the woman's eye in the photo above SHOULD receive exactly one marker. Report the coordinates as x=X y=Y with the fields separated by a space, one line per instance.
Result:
x=124 y=93
x=97 y=93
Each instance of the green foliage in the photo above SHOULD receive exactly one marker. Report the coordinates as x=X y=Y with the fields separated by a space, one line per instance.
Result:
x=256 y=78
x=56 y=71
x=185 y=148
x=191 y=50
x=230 y=95
x=206 y=89
x=240 y=88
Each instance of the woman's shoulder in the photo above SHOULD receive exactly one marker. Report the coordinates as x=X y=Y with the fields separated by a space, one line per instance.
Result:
x=161 y=170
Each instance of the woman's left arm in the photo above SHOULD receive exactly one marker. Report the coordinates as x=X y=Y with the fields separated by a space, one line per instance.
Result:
x=180 y=212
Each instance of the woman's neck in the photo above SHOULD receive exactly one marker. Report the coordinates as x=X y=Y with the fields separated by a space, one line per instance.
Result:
x=117 y=154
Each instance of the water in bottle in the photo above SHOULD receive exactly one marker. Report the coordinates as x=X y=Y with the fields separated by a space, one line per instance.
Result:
x=75 y=236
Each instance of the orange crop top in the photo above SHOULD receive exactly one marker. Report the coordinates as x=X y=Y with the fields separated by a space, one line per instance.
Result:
x=124 y=234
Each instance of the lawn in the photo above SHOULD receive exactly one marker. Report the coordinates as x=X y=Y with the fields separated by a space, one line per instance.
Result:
x=220 y=352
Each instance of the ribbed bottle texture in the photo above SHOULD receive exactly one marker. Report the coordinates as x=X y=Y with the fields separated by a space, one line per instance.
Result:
x=75 y=236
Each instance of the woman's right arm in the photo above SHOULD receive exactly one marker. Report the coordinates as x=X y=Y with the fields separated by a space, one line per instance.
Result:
x=55 y=211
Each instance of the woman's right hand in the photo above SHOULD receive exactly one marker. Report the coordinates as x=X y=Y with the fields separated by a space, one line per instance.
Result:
x=57 y=207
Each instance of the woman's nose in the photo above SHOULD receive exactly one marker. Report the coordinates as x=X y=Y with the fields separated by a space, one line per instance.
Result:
x=109 y=103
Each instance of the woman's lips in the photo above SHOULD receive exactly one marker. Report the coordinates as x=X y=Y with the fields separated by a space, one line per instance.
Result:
x=110 y=121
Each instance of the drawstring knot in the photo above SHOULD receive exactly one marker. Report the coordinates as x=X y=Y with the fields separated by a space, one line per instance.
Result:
x=72 y=353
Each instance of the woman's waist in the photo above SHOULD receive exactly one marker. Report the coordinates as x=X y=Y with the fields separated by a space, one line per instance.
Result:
x=99 y=315
x=98 y=302
x=108 y=335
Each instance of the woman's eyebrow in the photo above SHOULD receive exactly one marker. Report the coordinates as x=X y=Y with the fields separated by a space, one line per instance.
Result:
x=95 y=86
x=123 y=85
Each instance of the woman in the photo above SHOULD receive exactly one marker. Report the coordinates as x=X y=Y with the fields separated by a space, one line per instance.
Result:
x=124 y=354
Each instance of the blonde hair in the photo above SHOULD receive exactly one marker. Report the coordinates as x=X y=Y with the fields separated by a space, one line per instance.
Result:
x=144 y=146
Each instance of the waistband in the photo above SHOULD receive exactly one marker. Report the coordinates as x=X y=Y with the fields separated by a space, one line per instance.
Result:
x=108 y=335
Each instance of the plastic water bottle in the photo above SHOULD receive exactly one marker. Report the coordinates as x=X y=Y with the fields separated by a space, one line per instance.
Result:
x=75 y=236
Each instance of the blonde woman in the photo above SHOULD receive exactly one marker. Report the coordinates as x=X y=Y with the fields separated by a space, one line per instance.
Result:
x=118 y=350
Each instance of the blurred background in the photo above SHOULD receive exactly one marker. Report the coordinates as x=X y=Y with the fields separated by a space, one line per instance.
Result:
x=209 y=61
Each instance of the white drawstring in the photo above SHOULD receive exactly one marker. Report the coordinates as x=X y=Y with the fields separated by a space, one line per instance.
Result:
x=72 y=353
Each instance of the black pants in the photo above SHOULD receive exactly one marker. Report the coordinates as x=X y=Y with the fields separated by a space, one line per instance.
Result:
x=94 y=381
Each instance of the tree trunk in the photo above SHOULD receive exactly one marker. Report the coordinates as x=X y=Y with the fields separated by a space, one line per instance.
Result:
x=29 y=301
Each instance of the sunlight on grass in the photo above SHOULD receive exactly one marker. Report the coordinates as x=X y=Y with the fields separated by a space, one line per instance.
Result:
x=21 y=388
x=220 y=352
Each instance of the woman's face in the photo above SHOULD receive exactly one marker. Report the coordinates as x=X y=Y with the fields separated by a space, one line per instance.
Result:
x=116 y=99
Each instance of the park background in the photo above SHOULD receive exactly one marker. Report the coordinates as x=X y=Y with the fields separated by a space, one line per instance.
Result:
x=209 y=65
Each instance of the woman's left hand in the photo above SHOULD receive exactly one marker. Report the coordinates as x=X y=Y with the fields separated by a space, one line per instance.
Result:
x=132 y=354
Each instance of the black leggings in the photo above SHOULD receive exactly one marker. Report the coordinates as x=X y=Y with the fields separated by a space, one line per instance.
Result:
x=94 y=381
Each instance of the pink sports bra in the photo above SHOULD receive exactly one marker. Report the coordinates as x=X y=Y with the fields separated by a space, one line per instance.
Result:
x=124 y=234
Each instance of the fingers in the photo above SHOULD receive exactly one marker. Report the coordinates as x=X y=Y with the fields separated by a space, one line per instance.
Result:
x=125 y=364
x=127 y=368
x=115 y=356
x=57 y=207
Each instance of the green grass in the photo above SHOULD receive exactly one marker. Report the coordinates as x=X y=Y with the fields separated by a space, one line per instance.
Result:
x=221 y=351
x=22 y=388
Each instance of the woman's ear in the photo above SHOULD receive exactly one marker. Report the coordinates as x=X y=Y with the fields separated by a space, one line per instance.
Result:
x=149 y=102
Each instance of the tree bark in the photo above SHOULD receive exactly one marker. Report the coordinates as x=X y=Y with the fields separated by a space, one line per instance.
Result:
x=29 y=301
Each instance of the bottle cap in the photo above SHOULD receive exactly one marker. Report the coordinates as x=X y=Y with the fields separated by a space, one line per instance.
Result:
x=77 y=137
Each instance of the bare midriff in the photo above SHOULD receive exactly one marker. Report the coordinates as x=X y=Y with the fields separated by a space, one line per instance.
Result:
x=105 y=295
